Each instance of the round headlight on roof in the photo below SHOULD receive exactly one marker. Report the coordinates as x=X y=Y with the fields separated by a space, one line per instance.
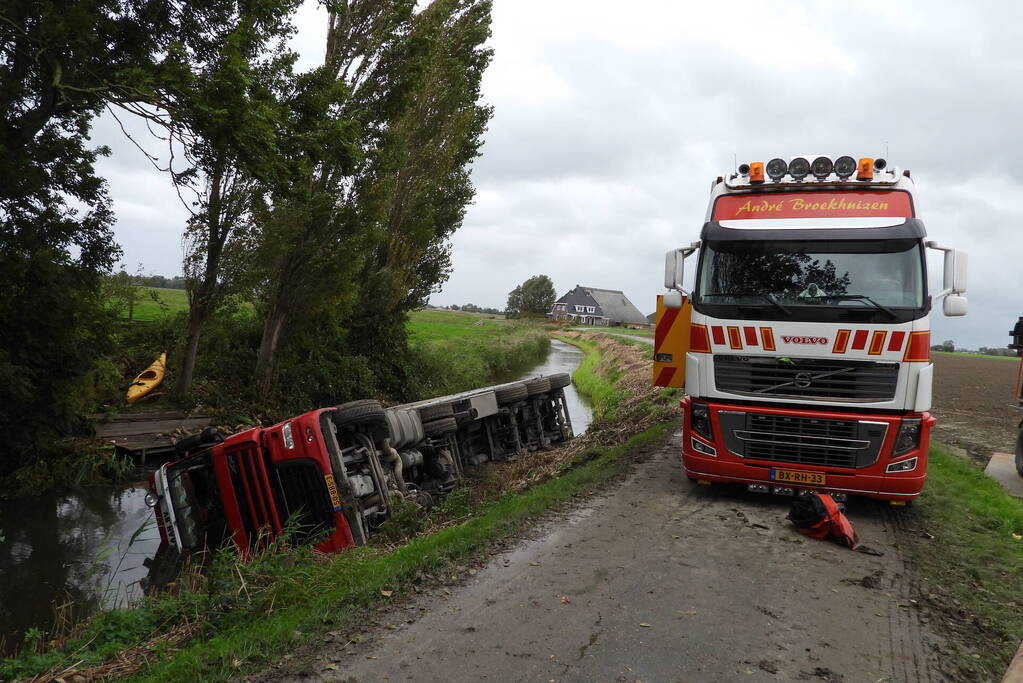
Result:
x=777 y=168
x=880 y=164
x=743 y=169
x=798 y=168
x=845 y=167
x=822 y=167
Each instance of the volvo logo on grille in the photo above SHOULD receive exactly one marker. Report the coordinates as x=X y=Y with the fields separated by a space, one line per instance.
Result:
x=803 y=380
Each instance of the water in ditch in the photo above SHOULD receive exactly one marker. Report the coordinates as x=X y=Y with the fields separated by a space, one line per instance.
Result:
x=84 y=547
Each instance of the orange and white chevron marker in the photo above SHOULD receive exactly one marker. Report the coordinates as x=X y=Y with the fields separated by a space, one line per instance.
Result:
x=671 y=342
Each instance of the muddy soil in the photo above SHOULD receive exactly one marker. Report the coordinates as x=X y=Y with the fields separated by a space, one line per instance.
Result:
x=972 y=398
x=661 y=579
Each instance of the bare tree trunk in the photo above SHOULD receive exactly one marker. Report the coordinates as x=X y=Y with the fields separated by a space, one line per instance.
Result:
x=196 y=322
x=275 y=319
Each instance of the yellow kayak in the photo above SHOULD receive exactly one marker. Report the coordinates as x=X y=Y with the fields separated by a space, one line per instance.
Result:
x=149 y=379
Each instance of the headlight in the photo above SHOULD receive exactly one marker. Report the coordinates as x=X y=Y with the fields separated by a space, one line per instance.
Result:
x=798 y=168
x=907 y=465
x=699 y=420
x=845 y=167
x=908 y=437
x=821 y=167
x=150 y=499
x=777 y=168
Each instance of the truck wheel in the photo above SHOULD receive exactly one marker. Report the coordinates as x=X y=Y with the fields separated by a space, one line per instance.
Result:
x=366 y=411
x=445 y=425
x=538 y=386
x=1019 y=453
x=512 y=394
x=560 y=380
x=435 y=412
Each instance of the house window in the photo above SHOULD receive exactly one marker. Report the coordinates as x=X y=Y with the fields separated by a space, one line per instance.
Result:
x=590 y=309
x=580 y=309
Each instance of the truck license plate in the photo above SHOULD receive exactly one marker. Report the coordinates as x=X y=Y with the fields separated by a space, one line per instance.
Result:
x=335 y=499
x=799 y=477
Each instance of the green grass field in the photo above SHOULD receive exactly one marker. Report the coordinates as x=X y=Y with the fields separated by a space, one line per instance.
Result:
x=974 y=355
x=434 y=326
x=155 y=303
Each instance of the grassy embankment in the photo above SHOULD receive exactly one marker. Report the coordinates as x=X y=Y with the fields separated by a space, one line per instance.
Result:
x=459 y=351
x=971 y=555
x=238 y=617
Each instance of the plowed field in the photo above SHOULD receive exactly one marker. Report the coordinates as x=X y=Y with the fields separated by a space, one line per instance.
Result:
x=972 y=397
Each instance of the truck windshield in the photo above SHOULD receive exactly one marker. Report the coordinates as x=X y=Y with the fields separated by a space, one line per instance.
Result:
x=806 y=278
x=196 y=501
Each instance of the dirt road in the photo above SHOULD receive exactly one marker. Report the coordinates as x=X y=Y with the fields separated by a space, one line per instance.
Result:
x=658 y=579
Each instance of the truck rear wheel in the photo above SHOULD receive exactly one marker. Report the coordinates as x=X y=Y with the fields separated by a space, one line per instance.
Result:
x=535 y=387
x=445 y=425
x=1019 y=452
x=560 y=380
x=435 y=412
x=512 y=394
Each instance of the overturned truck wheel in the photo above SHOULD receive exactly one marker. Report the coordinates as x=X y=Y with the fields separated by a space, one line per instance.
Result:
x=535 y=387
x=445 y=425
x=512 y=394
x=436 y=412
x=366 y=411
x=560 y=380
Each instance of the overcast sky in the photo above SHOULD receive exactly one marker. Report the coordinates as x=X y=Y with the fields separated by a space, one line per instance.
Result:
x=611 y=120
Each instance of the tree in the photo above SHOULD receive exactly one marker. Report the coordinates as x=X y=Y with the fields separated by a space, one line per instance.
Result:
x=60 y=63
x=534 y=296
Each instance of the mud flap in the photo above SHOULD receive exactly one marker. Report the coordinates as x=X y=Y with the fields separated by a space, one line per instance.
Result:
x=671 y=342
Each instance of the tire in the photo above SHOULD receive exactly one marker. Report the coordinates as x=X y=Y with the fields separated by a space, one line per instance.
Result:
x=366 y=411
x=435 y=412
x=1019 y=453
x=512 y=394
x=560 y=380
x=538 y=386
x=445 y=425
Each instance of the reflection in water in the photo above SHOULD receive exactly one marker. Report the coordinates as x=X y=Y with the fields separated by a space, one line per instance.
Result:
x=85 y=547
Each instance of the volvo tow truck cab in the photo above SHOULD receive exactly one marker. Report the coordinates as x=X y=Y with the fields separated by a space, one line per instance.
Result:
x=804 y=345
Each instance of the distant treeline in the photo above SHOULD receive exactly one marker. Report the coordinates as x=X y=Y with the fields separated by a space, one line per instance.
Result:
x=177 y=282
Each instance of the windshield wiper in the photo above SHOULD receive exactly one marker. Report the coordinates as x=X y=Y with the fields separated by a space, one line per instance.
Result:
x=859 y=297
x=766 y=297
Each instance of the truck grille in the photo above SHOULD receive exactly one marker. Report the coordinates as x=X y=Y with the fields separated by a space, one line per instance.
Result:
x=302 y=497
x=802 y=440
x=806 y=378
x=251 y=490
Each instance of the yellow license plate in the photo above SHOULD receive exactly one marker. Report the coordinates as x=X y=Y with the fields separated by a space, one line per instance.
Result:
x=799 y=477
x=335 y=499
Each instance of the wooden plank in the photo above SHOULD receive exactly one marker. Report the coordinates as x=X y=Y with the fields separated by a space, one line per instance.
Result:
x=116 y=429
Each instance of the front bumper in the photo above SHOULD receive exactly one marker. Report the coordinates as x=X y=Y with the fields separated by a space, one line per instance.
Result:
x=871 y=481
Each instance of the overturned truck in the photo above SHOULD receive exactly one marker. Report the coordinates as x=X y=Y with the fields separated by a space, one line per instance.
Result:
x=332 y=476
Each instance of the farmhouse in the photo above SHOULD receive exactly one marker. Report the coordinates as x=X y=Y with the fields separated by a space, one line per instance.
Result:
x=594 y=306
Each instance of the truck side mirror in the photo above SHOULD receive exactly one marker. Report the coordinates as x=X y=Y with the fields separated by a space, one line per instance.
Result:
x=955 y=271
x=672 y=299
x=954 y=305
x=674 y=268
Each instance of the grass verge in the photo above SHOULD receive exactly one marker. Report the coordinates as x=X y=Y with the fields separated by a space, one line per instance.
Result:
x=974 y=563
x=595 y=378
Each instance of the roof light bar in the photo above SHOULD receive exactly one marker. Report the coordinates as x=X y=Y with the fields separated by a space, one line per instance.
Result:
x=756 y=172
